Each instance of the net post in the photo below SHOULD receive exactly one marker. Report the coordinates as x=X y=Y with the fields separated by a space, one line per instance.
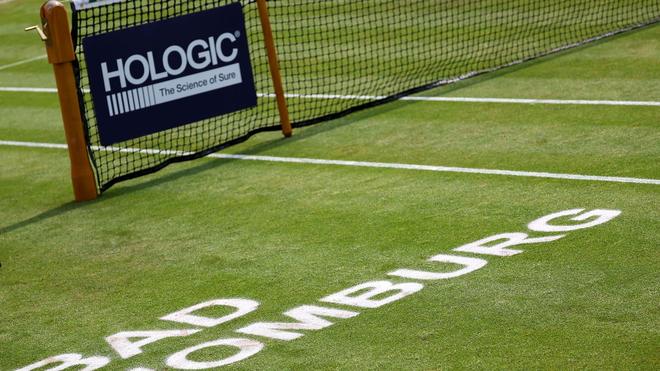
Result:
x=274 y=67
x=59 y=47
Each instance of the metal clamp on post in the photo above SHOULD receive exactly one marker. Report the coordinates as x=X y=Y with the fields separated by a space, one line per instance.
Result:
x=39 y=31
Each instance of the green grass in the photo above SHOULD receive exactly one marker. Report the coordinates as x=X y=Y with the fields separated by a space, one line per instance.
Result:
x=288 y=234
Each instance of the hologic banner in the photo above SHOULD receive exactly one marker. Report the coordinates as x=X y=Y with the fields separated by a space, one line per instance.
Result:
x=166 y=74
x=84 y=4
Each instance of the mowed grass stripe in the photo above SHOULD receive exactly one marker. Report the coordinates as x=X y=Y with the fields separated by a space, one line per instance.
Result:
x=385 y=165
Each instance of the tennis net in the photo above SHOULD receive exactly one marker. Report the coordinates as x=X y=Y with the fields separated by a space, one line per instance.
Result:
x=339 y=56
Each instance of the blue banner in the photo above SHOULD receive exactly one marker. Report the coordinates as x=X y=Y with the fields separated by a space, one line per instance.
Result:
x=170 y=73
x=86 y=4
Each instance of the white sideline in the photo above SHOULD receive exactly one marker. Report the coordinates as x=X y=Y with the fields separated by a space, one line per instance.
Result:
x=584 y=102
x=478 y=100
x=28 y=90
x=22 y=62
x=385 y=165
x=538 y=101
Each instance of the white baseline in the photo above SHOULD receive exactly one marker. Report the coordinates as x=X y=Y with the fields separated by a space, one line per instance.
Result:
x=22 y=62
x=582 y=102
x=384 y=165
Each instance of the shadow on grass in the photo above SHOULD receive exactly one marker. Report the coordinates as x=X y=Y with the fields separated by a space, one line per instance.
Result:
x=157 y=179
x=60 y=210
x=301 y=134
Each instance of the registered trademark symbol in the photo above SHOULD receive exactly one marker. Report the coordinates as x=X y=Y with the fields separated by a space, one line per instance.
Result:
x=237 y=33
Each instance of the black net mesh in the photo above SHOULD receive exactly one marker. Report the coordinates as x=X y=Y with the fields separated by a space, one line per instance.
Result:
x=338 y=56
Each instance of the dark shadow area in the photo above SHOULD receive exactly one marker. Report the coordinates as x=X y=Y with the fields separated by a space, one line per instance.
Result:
x=153 y=180
x=304 y=133
x=60 y=210
x=214 y=163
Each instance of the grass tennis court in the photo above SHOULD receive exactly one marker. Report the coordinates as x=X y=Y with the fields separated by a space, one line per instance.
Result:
x=288 y=234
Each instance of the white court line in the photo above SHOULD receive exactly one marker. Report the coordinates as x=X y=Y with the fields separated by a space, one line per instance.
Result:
x=480 y=100
x=22 y=62
x=536 y=101
x=384 y=165
x=28 y=90
x=417 y=98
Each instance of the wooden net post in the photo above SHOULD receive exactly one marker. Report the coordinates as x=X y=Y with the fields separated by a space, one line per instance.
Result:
x=59 y=47
x=273 y=64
